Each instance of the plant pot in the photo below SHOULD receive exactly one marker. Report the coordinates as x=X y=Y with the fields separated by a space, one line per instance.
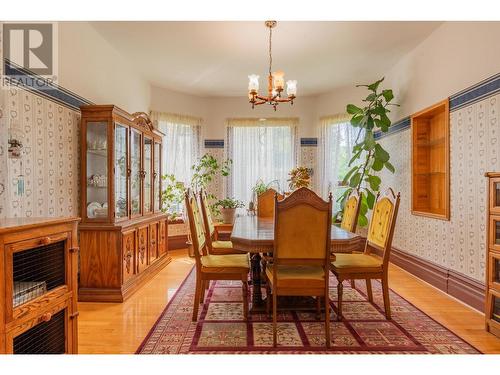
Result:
x=228 y=215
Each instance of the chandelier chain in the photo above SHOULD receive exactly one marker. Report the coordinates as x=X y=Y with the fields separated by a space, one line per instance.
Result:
x=270 y=54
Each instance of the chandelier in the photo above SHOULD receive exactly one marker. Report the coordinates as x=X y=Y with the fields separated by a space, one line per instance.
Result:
x=275 y=82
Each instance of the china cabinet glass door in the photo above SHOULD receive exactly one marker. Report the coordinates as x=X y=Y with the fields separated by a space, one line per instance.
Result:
x=135 y=173
x=495 y=232
x=148 y=162
x=97 y=170
x=496 y=309
x=495 y=196
x=121 y=199
x=157 y=177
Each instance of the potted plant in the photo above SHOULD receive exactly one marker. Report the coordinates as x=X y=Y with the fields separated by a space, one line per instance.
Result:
x=173 y=196
x=228 y=208
x=299 y=177
x=369 y=157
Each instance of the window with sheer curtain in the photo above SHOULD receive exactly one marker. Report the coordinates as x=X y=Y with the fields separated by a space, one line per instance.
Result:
x=337 y=137
x=260 y=149
x=181 y=145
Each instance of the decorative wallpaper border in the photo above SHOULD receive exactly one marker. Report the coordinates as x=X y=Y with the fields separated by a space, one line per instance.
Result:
x=50 y=91
x=308 y=142
x=475 y=93
x=214 y=143
x=395 y=128
x=470 y=95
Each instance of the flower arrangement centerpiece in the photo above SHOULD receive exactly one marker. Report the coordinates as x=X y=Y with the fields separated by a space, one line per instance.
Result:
x=299 y=177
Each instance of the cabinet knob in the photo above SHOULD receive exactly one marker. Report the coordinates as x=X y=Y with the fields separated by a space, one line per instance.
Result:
x=45 y=241
x=46 y=317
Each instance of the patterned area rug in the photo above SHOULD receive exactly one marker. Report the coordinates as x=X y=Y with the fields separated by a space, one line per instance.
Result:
x=221 y=329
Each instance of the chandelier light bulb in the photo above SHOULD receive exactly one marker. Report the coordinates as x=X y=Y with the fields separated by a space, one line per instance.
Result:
x=291 y=87
x=279 y=80
x=253 y=82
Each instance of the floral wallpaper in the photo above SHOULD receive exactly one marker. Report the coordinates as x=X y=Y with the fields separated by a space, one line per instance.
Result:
x=458 y=244
x=49 y=166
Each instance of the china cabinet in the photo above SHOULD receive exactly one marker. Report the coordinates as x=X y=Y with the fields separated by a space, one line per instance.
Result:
x=123 y=233
x=493 y=259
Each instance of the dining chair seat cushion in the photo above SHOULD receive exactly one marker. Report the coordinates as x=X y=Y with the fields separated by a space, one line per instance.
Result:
x=291 y=276
x=222 y=244
x=225 y=263
x=356 y=263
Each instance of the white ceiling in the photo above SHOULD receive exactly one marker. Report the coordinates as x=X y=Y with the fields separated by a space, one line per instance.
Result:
x=214 y=58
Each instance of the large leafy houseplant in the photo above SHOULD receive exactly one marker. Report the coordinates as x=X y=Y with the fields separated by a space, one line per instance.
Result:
x=205 y=170
x=369 y=157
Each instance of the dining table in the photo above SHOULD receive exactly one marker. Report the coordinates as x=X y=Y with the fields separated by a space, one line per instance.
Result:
x=255 y=235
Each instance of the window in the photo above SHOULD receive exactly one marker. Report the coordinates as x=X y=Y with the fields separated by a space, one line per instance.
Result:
x=181 y=146
x=337 y=137
x=260 y=149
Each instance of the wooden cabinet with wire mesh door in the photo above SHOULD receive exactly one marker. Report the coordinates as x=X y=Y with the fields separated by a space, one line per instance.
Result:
x=492 y=310
x=38 y=286
x=123 y=230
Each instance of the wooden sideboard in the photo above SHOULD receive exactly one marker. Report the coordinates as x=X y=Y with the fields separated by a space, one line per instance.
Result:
x=38 y=286
x=492 y=310
x=123 y=233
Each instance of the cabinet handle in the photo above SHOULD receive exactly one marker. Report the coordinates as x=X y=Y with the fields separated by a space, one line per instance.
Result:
x=74 y=250
x=45 y=241
x=74 y=315
x=46 y=317
x=129 y=172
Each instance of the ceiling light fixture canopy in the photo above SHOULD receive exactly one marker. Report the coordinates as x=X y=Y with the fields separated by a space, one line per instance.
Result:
x=275 y=82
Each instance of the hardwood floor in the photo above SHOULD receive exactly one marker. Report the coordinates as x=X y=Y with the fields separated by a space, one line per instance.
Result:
x=120 y=328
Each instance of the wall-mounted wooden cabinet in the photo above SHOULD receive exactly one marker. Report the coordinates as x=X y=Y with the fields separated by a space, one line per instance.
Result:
x=492 y=310
x=123 y=230
x=431 y=161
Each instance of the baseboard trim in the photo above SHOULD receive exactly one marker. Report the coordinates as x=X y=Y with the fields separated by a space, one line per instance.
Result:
x=468 y=290
x=177 y=242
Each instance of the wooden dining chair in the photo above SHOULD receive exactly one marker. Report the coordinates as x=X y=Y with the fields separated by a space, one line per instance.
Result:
x=351 y=212
x=265 y=203
x=364 y=265
x=214 y=245
x=213 y=267
x=301 y=256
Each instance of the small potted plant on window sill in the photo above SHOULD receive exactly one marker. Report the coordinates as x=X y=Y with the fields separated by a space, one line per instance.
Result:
x=228 y=208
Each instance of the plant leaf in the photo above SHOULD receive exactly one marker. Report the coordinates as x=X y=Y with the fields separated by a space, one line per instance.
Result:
x=362 y=221
x=388 y=95
x=377 y=165
x=369 y=142
x=374 y=182
x=355 y=180
x=353 y=110
x=348 y=175
x=381 y=154
x=370 y=199
x=389 y=166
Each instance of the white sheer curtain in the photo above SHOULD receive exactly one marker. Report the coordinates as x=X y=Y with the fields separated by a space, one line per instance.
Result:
x=181 y=143
x=260 y=149
x=337 y=137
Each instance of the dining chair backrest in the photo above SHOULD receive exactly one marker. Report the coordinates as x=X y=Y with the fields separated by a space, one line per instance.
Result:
x=351 y=212
x=196 y=226
x=207 y=215
x=382 y=224
x=265 y=203
x=302 y=229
